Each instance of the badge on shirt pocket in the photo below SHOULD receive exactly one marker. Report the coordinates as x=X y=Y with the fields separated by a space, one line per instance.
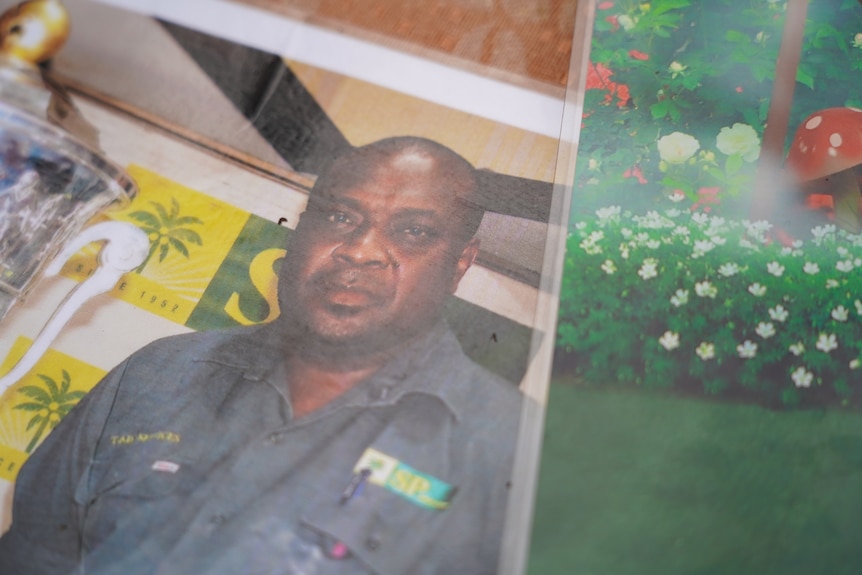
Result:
x=420 y=488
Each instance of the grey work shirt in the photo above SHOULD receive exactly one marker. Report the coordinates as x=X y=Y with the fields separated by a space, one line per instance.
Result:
x=185 y=459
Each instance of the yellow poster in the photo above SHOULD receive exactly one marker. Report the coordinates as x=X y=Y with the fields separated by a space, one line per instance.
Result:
x=31 y=408
x=190 y=235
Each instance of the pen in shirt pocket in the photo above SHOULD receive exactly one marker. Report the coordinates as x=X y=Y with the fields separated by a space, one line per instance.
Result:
x=355 y=485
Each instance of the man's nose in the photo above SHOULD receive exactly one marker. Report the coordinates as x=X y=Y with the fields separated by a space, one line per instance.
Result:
x=366 y=246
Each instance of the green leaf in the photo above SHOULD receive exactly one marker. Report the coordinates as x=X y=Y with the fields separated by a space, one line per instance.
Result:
x=29 y=406
x=187 y=235
x=804 y=78
x=659 y=109
x=163 y=213
x=147 y=218
x=733 y=164
x=736 y=36
x=36 y=393
x=179 y=246
x=186 y=220
x=50 y=384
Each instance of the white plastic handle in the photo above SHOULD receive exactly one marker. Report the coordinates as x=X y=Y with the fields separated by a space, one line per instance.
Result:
x=126 y=249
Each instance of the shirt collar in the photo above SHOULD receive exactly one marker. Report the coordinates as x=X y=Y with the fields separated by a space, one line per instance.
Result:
x=420 y=367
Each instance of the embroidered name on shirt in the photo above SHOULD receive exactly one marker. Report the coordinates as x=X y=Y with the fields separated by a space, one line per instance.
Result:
x=130 y=438
x=421 y=488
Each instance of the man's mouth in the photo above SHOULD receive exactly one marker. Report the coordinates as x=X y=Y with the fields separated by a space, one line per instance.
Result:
x=347 y=293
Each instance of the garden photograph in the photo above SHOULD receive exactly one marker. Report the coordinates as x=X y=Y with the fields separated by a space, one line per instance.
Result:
x=705 y=409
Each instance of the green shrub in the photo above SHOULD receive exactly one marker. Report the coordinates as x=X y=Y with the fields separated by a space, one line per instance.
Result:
x=694 y=302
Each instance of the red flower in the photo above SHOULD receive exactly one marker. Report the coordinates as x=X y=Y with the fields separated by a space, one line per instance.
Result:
x=605 y=5
x=638 y=55
x=635 y=172
x=623 y=95
x=613 y=22
x=739 y=89
x=599 y=78
x=707 y=197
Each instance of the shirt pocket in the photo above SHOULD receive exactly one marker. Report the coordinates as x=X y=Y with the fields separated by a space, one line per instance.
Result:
x=131 y=489
x=383 y=530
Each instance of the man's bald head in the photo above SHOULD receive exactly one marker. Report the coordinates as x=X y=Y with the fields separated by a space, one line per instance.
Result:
x=452 y=173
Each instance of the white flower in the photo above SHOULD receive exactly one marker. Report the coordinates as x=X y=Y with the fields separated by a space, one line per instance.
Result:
x=700 y=218
x=858 y=305
x=590 y=243
x=609 y=267
x=739 y=139
x=765 y=330
x=857 y=262
x=681 y=231
x=831 y=284
x=842 y=251
x=624 y=251
x=652 y=244
x=669 y=340
x=778 y=313
x=797 y=348
x=728 y=269
x=844 y=266
x=679 y=298
x=857 y=40
x=705 y=289
x=756 y=289
x=648 y=269
x=701 y=247
x=718 y=240
x=826 y=342
x=676 y=196
x=642 y=237
x=839 y=313
x=675 y=67
x=821 y=232
x=855 y=363
x=609 y=213
x=626 y=21
x=810 y=268
x=580 y=225
x=747 y=350
x=775 y=269
x=673 y=213
x=677 y=148
x=801 y=377
x=626 y=233
x=705 y=350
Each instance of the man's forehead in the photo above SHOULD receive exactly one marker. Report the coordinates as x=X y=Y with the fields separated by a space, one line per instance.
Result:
x=406 y=174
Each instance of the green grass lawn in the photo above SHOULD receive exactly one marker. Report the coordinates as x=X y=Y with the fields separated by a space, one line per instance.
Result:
x=635 y=483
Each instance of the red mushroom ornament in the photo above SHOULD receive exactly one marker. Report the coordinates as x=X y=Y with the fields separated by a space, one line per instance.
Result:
x=826 y=148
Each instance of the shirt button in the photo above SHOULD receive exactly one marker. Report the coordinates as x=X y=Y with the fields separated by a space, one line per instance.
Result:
x=217 y=519
x=372 y=542
x=275 y=437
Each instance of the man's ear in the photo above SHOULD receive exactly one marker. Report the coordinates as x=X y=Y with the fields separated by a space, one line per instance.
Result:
x=466 y=259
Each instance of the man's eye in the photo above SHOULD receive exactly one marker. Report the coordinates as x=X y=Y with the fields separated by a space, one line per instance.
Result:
x=417 y=231
x=338 y=218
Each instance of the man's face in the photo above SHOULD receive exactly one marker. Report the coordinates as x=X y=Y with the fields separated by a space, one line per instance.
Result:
x=375 y=256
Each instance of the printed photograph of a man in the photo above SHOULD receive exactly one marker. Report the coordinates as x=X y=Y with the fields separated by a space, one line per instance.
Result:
x=350 y=435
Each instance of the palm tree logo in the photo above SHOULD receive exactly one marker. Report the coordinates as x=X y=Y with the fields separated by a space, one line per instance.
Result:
x=49 y=403
x=166 y=230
